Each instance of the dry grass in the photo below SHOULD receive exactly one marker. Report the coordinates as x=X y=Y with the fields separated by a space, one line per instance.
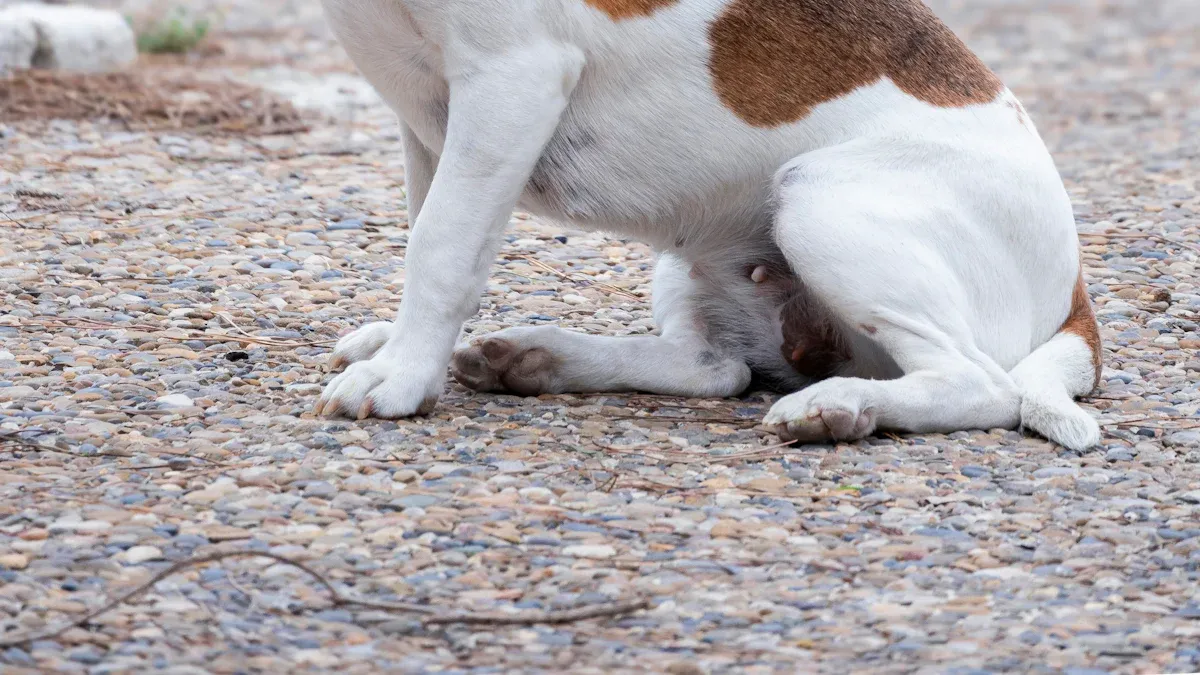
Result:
x=147 y=99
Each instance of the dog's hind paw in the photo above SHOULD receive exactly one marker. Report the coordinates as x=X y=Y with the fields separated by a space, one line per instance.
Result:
x=496 y=364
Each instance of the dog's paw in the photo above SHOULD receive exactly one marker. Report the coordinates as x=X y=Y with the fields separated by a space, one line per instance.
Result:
x=361 y=345
x=497 y=364
x=835 y=409
x=385 y=387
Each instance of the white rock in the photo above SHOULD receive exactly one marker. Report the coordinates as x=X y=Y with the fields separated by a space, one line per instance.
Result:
x=1005 y=573
x=70 y=37
x=302 y=239
x=770 y=533
x=537 y=495
x=596 y=551
x=140 y=554
x=18 y=41
x=355 y=452
x=175 y=401
x=175 y=605
x=72 y=523
x=17 y=392
x=5 y=355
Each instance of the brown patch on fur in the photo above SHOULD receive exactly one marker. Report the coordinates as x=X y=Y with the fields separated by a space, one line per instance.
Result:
x=1082 y=322
x=629 y=9
x=812 y=345
x=871 y=330
x=774 y=60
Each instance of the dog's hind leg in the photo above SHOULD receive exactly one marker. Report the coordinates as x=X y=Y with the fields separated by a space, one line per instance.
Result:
x=900 y=257
x=680 y=361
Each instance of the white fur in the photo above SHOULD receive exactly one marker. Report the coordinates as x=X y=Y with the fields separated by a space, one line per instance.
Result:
x=941 y=240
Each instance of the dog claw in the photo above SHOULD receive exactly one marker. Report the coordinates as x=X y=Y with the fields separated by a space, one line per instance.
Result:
x=336 y=363
x=364 y=410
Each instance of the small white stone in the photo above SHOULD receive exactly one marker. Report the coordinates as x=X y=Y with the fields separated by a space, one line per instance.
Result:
x=13 y=561
x=1006 y=573
x=770 y=533
x=175 y=401
x=302 y=239
x=70 y=38
x=18 y=41
x=17 y=392
x=140 y=554
x=355 y=452
x=6 y=355
x=538 y=495
x=573 y=299
x=594 y=551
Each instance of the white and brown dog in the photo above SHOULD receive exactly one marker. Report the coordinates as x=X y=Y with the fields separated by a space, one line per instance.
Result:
x=846 y=201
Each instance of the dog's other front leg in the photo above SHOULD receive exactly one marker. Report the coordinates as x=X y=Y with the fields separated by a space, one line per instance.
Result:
x=420 y=164
x=503 y=111
x=419 y=167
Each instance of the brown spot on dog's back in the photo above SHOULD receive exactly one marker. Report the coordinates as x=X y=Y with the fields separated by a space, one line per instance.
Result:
x=774 y=60
x=1082 y=322
x=629 y=9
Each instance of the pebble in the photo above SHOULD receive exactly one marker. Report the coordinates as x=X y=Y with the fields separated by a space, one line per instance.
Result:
x=14 y=561
x=599 y=551
x=175 y=400
x=140 y=554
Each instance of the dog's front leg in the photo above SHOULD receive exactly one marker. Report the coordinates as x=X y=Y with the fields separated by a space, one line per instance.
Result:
x=502 y=114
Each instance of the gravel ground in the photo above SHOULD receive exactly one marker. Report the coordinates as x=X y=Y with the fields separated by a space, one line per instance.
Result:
x=168 y=302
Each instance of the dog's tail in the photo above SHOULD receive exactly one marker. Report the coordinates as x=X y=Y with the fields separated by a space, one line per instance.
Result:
x=1067 y=366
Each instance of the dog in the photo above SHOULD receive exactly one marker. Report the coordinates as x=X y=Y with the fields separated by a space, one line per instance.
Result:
x=847 y=204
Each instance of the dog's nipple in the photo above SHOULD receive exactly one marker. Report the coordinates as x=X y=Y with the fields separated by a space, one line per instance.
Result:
x=759 y=274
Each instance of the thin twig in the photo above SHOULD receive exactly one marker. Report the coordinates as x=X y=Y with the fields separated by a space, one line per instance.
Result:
x=1153 y=236
x=34 y=446
x=672 y=456
x=596 y=284
x=768 y=452
x=433 y=616
x=14 y=438
x=195 y=335
x=681 y=418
